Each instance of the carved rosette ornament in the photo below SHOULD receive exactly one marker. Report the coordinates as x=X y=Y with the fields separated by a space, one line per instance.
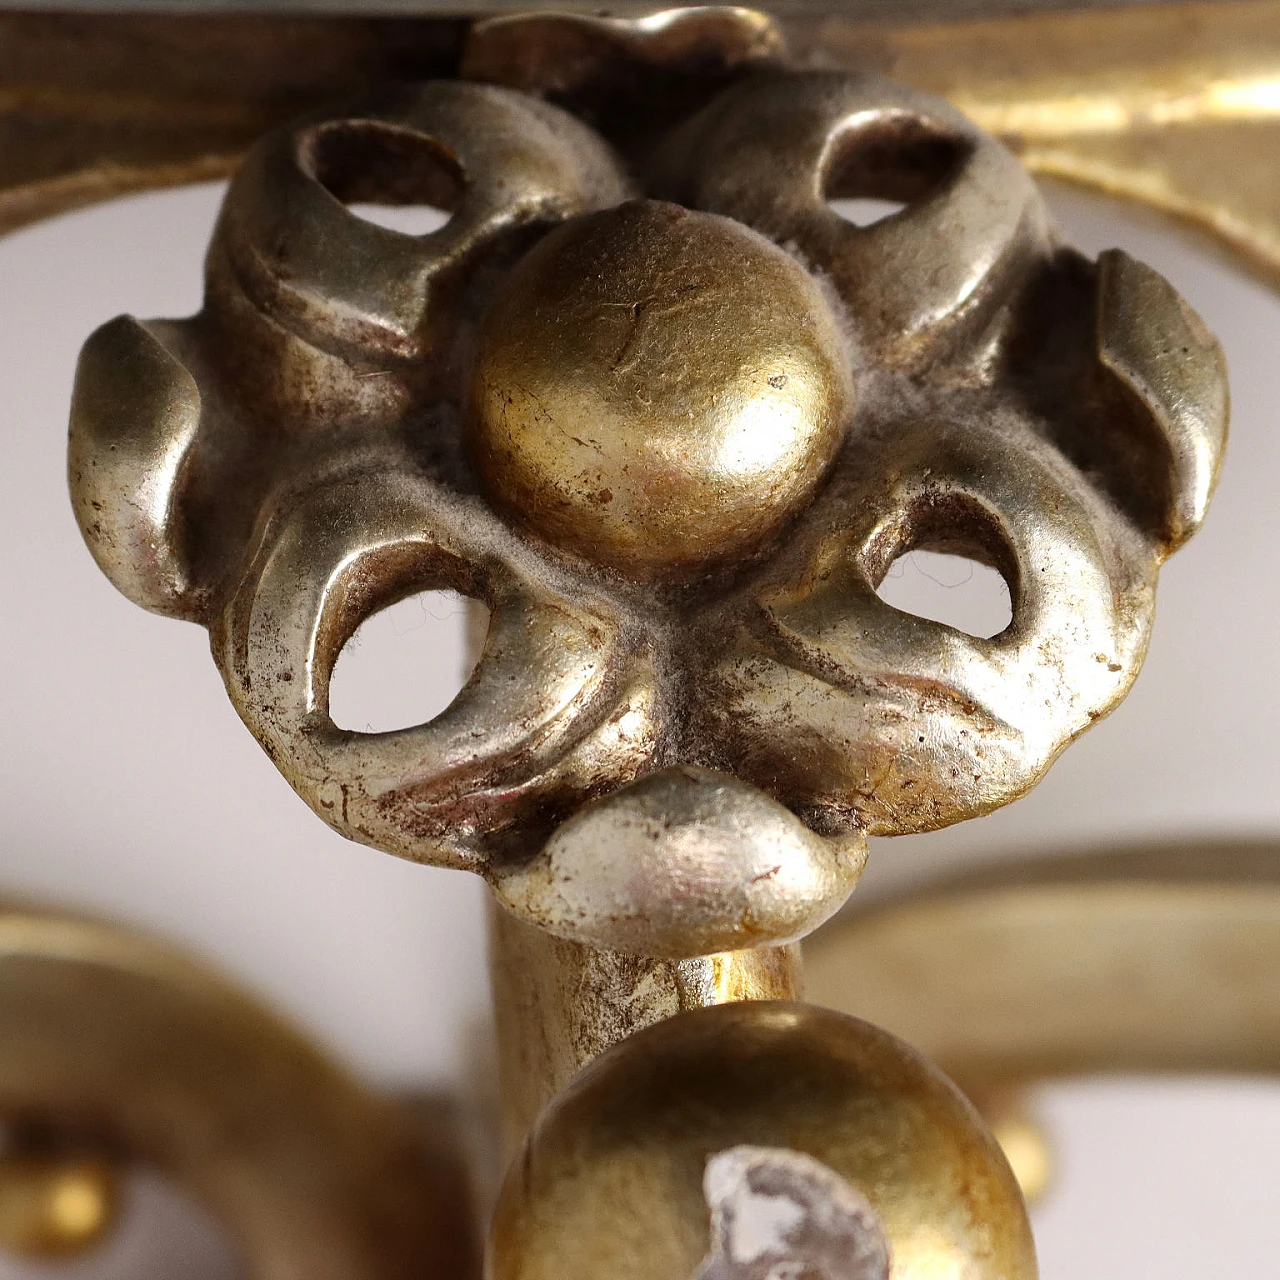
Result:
x=652 y=401
x=671 y=429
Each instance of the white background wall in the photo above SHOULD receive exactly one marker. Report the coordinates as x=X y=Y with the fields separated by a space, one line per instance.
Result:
x=132 y=790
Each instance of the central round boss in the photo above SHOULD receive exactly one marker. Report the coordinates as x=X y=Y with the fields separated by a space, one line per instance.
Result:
x=657 y=389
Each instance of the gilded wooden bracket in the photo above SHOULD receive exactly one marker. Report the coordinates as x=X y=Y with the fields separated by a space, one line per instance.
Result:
x=669 y=415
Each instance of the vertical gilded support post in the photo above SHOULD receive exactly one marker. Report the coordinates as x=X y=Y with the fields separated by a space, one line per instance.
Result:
x=560 y=1004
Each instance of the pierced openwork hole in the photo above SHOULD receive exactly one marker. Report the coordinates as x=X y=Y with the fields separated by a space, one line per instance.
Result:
x=406 y=663
x=955 y=590
x=393 y=177
x=947 y=560
x=884 y=163
x=407 y=219
x=866 y=212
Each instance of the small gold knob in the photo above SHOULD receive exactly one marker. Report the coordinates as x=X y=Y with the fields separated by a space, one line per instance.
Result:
x=55 y=1206
x=657 y=388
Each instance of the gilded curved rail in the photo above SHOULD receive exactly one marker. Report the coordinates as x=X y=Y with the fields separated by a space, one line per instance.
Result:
x=131 y=1042
x=1159 y=958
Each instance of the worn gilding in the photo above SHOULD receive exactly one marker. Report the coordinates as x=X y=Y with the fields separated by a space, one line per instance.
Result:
x=673 y=444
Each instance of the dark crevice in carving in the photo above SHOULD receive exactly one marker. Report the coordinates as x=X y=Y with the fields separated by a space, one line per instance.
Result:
x=895 y=157
x=372 y=162
x=1051 y=363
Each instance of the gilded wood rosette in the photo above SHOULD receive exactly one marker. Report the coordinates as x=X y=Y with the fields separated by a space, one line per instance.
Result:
x=670 y=418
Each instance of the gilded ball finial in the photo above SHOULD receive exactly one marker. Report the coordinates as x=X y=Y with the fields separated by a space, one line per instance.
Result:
x=612 y=1181
x=657 y=388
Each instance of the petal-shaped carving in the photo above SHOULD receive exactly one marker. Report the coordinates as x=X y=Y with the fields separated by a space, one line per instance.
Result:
x=1060 y=421
x=854 y=711
x=502 y=163
x=684 y=863
x=1172 y=368
x=135 y=413
x=548 y=685
x=772 y=152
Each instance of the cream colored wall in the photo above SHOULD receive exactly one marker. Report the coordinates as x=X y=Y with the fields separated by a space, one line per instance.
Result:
x=132 y=790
